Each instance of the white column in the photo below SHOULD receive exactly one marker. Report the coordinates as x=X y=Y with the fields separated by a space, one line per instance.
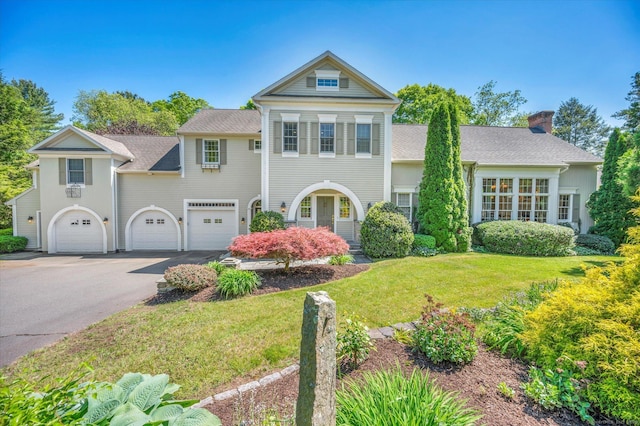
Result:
x=387 y=155
x=265 y=152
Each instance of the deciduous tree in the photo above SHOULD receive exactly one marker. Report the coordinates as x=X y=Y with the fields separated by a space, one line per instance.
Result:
x=437 y=188
x=419 y=102
x=181 y=105
x=491 y=108
x=249 y=105
x=289 y=245
x=581 y=126
x=609 y=206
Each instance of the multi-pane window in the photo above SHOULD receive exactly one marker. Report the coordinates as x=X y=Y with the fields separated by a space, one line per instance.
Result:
x=86 y=221
x=75 y=171
x=564 y=206
x=363 y=138
x=257 y=145
x=160 y=221
x=345 y=208
x=211 y=151
x=305 y=208
x=148 y=221
x=488 y=198
x=505 y=199
x=327 y=82
x=327 y=137
x=290 y=132
x=542 y=200
x=403 y=201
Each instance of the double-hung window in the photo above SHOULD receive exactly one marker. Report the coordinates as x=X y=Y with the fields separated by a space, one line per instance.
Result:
x=327 y=138
x=257 y=145
x=564 y=207
x=345 y=208
x=75 y=171
x=363 y=138
x=305 y=208
x=403 y=201
x=290 y=136
x=211 y=152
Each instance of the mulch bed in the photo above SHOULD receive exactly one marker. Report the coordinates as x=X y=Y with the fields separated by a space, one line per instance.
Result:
x=476 y=382
x=272 y=280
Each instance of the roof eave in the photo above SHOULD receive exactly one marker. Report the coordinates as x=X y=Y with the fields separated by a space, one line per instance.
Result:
x=146 y=172
x=239 y=135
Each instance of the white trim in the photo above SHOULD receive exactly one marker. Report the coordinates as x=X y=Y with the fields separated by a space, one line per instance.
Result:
x=355 y=201
x=327 y=73
x=39 y=229
x=364 y=119
x=181 y=150
x=567 y=190
x=127 y=229
x=34 y=179
x=114 y=205
x=404 y=188
x=14 y=219
x=266 y=153
x=289 y=117
x=52 y=224
x=250 y=211
x=387 y=145
x=327 y=118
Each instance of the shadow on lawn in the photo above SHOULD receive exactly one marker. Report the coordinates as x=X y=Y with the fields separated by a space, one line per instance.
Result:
x=577 y=271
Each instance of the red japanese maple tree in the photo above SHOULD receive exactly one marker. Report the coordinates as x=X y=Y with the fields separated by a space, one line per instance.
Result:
x=288 y=245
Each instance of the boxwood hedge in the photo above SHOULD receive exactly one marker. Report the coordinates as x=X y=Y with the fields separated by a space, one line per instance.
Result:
x=599 y=243
x=385 y=232
x=9 y=244
x=526 y=238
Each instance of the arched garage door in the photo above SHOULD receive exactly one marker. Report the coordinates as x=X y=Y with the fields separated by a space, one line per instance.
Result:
x=77 y=231
x=153 y=230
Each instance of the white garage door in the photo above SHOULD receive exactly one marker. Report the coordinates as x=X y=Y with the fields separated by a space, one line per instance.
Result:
x=153 y=230
x=78 y=232
x=211 y=229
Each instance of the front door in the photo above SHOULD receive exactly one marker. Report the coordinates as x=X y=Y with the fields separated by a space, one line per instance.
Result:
x=325 y=212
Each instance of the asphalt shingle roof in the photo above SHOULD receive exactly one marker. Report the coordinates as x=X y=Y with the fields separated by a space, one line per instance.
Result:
x=488 y=145
x=112 y=145
x=223 y=121
x=152 y=153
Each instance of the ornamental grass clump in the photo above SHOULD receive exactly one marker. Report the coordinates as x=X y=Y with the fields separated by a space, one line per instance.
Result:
x=445 y=335
x=391 y=399
x=189 y=277
x=236 y=283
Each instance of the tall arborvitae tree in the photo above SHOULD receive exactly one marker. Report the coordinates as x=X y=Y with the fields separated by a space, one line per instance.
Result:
x=437 y=189
x=609 y=206
x=460 y=209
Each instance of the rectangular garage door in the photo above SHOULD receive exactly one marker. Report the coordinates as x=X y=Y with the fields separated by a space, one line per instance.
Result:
x=212 y=229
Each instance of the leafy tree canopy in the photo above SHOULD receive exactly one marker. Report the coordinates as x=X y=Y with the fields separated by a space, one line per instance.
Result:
x=581 y=126
x=491 y=108
x=249 y=105
x=181 y=105
x=102 y=112
x=419 y=102
x=631 y=115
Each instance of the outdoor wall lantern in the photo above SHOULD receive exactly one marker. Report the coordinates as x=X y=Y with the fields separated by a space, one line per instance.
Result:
x=105 y=220
x=283 y=207
x=30 y=219
x=369 y=206
x=242 y=221
x=179 y=221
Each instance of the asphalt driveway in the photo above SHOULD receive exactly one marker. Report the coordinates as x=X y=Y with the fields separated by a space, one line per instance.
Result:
x=44 y=298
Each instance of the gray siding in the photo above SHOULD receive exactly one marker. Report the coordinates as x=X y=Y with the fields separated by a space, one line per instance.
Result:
x=238 y=179
x=75 y=141
x=299 y=88
x=27 y=205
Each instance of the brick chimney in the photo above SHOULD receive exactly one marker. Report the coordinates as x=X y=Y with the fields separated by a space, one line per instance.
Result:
x=542 y=120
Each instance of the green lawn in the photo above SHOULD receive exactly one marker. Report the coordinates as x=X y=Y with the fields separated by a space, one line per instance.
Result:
x=204 y=346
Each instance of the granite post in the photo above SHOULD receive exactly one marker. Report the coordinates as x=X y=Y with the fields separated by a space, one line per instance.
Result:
x=317 y=391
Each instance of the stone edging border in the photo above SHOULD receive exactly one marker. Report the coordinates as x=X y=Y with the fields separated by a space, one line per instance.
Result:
x=378 y=333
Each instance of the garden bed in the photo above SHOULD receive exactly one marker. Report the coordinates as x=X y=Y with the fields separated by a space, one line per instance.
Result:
x=476 y=382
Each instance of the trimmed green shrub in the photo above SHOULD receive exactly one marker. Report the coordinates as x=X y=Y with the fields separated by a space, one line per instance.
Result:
x=600 y=243
x=421 y=240
x=217 y=266
x=190 y=277
x=445 y=335
x=9 y=244
x=391 y=399
x=386 y=232
x=423 y=252
x=526 y=238
x=236 y=282
x=6 y=231
x=341 y=259
x=267 y=221
x=354 y=342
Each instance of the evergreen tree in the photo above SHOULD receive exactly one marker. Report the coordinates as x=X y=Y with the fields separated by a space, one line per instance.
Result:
x=581 y=126
x=460 y=209
x=437 y=189
x=609 y=206
x=631 y=115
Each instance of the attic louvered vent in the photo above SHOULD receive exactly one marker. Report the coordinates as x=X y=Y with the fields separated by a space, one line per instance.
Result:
x=73 y=191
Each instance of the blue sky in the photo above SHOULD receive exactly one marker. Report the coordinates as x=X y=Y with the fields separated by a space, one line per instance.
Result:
x=225 y=52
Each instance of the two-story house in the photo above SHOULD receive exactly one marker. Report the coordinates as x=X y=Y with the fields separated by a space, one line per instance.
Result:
x=321 y=148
